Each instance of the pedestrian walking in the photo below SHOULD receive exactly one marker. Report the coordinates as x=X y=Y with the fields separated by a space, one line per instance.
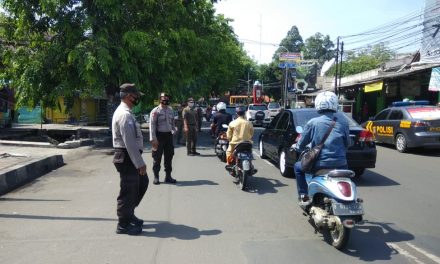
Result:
x=190 y=127
x=179 y=124
x=128 y=144
x=162 y=128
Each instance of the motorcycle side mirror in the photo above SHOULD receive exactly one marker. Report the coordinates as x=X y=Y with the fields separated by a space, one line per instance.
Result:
x=225 y=126
x=299 y=129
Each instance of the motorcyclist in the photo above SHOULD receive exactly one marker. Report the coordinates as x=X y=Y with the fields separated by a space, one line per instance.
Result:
x=333 y=153
x=220 y=118
x=239 y=130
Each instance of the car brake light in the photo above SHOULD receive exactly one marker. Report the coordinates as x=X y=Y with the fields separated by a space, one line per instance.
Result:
x=421 y=124
x=345 y=188
x=366 y=136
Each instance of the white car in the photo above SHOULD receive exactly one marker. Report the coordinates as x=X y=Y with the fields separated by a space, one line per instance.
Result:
x=274 y=109
x=258 y=114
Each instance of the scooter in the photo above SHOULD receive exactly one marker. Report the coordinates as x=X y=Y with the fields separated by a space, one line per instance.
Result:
x=333 y=207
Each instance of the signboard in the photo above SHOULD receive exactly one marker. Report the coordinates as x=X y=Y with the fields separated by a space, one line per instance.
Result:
x=430 y=51
x=286 y=64
x=290 y=56
x=434 y=83
x=372 y=87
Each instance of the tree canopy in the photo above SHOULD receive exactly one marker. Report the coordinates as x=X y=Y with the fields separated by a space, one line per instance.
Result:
x=88 y=47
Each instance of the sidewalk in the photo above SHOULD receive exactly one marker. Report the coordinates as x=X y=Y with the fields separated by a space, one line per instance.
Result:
x=20 y=164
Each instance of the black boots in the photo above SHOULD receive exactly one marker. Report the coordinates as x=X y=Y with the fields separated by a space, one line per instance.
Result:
x=169 y=179
x=156 y=179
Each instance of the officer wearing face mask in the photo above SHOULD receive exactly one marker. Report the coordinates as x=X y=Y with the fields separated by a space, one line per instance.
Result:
x=162 y=128
x=128 y=144
x=190 y=126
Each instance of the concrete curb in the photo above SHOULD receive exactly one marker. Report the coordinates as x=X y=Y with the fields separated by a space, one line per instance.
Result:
x=23 y=173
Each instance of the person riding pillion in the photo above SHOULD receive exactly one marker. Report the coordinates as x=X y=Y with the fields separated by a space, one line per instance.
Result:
x=334 y=151
x=220 y=118
x=239 y=130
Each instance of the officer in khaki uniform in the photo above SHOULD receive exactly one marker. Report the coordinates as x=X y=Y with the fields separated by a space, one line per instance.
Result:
x=128 y=145
x=162 y=128
x=190 y=126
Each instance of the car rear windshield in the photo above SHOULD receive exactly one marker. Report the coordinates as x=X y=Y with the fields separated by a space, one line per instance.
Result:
x=273 y=105
x=230 y=110
x=304 y=117
x=258 y=107
x=424 y=112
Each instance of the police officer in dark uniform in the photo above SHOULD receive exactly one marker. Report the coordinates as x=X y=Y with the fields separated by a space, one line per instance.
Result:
x=128 y=143
x=190 y=126
x=179 y=124
x=162 y=128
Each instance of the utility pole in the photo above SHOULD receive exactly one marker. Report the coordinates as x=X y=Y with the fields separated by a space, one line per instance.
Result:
x=340 y=64
x=336 y=66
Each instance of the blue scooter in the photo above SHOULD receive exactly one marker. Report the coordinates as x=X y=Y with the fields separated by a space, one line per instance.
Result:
x=334 y=207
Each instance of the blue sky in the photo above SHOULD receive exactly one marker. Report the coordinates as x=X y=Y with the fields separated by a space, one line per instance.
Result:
x=332 y=17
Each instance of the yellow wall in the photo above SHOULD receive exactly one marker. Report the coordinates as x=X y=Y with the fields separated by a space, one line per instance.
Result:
x=57 y=116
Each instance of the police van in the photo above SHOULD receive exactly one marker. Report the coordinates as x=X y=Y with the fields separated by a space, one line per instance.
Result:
x=407 y=125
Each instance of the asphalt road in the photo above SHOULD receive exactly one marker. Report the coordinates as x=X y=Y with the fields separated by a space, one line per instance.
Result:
x=68 y=216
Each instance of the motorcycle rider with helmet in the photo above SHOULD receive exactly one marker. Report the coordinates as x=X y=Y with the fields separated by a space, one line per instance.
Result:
x=333 y=153
x=220 y=118
x=239 y=130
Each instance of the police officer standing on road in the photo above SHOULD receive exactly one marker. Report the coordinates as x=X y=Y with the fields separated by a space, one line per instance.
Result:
x=162 y=128
x=190 y=126
x=179 y=124
x=128 y=144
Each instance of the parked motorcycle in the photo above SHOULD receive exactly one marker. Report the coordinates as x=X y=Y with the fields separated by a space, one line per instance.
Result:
x=221 y=145
x=334 y=207
x=243 y=167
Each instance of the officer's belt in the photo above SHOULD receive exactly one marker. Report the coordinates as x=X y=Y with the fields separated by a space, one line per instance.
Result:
x=125 y=150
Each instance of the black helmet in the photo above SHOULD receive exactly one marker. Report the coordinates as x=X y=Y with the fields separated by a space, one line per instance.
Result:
x=240 y=110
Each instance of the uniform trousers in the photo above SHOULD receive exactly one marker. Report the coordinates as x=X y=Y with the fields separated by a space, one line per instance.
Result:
x=132 y=188
x=165 y=148
x=191 y=139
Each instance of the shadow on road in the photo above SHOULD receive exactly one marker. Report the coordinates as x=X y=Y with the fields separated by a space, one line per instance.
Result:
x=261 y=185
x=429 y=152
x=371 y=178
x=372 y=241
x=47 y=217
x=183 y=232
x=6 y=199
x=195 y=183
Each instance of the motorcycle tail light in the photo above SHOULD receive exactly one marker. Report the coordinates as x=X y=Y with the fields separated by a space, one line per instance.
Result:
x=366 y=136
x=345 y=188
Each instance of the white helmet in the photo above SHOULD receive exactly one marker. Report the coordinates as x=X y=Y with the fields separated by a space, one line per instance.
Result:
x=326 y=101
x=221 y=106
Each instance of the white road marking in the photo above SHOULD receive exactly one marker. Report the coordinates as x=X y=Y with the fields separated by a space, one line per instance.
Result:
x=427 y=254
x=258 y=155
x=404 y=253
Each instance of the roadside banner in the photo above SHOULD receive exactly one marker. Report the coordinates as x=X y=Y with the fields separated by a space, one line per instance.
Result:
x=372 y=87
x=290 y=56
x=434 y=83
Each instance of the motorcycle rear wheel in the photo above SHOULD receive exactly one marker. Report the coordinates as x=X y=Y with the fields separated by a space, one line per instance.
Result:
x=339 y=235
x=242 y=179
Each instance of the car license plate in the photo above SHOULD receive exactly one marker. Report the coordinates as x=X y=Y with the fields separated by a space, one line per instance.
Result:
x=223 y=142
x=348 y=209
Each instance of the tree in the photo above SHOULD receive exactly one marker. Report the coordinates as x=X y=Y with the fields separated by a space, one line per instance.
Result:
x=293 y=42
x=363 y=60
x=318 y=47
x=90 y=47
